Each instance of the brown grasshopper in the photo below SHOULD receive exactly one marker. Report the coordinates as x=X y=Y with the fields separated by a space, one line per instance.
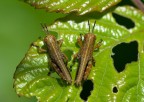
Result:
x=85 y=55
x=56 y=56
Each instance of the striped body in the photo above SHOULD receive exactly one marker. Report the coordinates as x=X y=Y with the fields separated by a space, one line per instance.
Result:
x=85 y=56
x=57 y=59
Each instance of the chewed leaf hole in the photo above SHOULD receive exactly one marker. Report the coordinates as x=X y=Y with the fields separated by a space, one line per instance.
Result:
x=115 y=90
x=121 y=20
x=87 y=88
x=124 y=53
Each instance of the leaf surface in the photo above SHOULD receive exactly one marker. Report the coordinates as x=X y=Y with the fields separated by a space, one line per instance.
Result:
x=31 y=76
x=68 y=6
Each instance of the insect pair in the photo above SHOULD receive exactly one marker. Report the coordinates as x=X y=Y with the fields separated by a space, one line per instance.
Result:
x=85 y=56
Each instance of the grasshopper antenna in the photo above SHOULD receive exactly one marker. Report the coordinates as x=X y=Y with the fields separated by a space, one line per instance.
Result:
x=93 y=26
x=89 y=25
x=45 y=28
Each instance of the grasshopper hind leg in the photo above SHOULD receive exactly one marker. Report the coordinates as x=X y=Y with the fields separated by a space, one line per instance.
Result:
x=88 y=69
x=98 y=45
x=58 y=71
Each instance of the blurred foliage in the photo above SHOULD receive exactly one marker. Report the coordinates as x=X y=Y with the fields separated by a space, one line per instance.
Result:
x=19 y=26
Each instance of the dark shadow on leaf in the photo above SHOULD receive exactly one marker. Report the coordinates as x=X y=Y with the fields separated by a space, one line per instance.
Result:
x=79 y=18
x=68 y=53
x=126 y=2
x=62 y=82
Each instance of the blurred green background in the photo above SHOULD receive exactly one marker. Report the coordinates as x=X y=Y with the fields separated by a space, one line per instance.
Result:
x=19 y=27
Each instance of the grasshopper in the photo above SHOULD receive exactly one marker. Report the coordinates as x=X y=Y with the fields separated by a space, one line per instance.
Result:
x=56 y=56
x=85 y=55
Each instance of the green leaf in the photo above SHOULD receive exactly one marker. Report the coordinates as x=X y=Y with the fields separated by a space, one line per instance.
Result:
x=79 y=6
x=31 y=76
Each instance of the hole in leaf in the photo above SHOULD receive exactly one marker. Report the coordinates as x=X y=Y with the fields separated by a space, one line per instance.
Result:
x=124 y=53
x=115 y=90
x=87 y=88
x=121 y=20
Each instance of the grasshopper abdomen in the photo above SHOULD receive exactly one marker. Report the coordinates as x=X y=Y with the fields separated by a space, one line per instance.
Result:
x=56 y=57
